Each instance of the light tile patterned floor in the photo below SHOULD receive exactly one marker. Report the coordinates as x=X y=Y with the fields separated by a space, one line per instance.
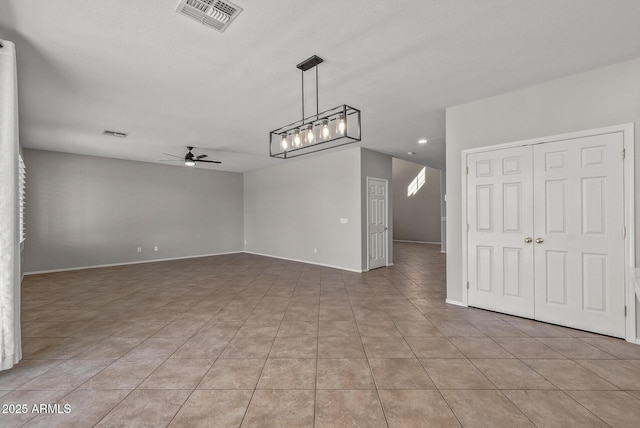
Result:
x=242 y=340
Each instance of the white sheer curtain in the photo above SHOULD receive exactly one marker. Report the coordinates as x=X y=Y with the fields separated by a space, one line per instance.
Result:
x=10 y=349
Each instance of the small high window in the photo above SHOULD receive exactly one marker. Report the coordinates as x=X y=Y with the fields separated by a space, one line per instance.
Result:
x=417 y=183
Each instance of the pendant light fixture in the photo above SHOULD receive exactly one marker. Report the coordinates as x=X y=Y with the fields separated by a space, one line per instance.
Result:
x=324 y=130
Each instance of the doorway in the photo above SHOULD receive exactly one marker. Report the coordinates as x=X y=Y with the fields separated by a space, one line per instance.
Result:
x=377 y=222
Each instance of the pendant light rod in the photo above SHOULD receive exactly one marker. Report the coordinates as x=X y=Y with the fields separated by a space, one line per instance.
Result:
x=306 y=65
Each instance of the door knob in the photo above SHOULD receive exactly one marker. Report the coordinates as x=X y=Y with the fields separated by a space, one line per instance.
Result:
x=528 y=240
x=539 y=240
x=385 y=228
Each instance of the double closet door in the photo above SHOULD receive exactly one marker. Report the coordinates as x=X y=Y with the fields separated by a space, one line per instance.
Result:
x=546 y=232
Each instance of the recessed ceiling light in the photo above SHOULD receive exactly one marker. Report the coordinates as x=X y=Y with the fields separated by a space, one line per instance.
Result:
x=114 y=133
x=422 y=141
x=411 y=153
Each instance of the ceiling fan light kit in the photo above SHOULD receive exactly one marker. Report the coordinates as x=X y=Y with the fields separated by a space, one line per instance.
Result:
x=116 y=134
x=331 y=128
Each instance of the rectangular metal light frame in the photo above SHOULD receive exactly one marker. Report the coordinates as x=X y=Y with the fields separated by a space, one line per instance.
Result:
x=351 y=135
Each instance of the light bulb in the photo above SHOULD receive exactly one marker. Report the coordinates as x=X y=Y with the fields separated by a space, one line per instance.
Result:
x=310 y=135
x=296 y=138
x=342 y=125
x=189 y=162
x=284 y=143
x=326 y=132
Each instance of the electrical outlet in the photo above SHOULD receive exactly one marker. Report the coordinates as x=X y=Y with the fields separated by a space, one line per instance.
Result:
x=139 y=249
x=155 y=248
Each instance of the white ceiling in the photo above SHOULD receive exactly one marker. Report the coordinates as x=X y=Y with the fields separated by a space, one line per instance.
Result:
x=137 y=66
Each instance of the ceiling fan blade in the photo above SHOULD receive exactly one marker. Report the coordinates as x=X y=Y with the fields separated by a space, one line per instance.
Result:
x=179 y=157
x=208 y=161
x=201 y=157
x=171 y=160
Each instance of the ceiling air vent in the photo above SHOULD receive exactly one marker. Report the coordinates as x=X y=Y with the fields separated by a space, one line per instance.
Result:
x=216 y=14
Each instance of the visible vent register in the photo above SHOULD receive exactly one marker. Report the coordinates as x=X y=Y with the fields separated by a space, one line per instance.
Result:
x=216 y=14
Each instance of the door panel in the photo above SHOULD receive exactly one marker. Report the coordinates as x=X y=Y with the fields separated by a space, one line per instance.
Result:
x=511 y=207
x=512 y=271
x=579 y=265
x=556 y=277
x=594 y=281
x=500 y=194
x=555 y=198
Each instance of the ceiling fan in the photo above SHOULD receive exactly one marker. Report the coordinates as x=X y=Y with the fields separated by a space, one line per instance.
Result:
x=189 y=159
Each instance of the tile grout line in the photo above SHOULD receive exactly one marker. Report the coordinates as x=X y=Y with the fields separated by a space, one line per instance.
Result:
x=427 y=373
x=375 y=385
x=255 y=388
x=169 y=357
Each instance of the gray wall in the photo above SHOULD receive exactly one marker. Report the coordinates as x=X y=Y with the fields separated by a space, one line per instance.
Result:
x=603 y=97
x=416 y=217
x=375 y=165
x=294 y=207
x=88 y=211
x=443 y=211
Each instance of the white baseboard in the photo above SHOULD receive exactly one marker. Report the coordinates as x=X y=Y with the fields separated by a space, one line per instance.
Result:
x=128 y=263
x=191 y=257
x=455 y=302
x=417 y=242
x=305 y=261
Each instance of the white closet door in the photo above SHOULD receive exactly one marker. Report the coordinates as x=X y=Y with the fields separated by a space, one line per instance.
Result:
x=499 y=198
x=579 y=219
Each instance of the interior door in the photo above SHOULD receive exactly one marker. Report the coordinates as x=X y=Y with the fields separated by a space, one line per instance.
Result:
x=500 y=216
x=378 y=224
x=579 y=241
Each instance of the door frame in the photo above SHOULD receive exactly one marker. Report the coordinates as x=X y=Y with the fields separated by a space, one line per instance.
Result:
x=386 y=209
x=628 y=209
